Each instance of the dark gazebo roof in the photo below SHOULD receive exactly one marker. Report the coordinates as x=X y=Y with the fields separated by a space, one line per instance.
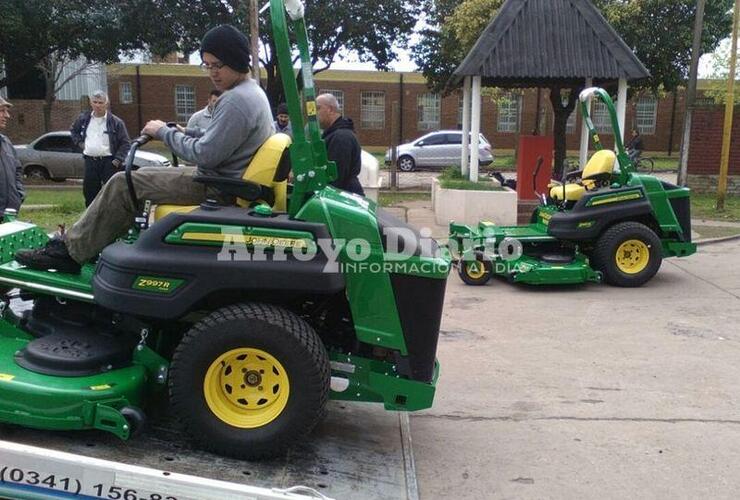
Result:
x=536 y=43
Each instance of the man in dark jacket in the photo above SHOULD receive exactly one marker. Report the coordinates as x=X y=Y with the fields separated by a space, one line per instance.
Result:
x=342 y=146
x=635 y=146
x=11 y=171
x=103 y=139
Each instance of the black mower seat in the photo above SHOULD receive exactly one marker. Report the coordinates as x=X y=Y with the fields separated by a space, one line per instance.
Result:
x=600 y=165
x=266 y=176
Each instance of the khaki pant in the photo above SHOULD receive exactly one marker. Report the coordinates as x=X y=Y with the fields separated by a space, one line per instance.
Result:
x=112 y=212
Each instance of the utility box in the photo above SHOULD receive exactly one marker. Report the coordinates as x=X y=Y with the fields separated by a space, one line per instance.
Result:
x=531 y=147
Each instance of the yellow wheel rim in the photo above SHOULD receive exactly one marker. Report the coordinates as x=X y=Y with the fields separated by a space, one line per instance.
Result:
x=632 y=256
x=246 y=388
x=475 y=270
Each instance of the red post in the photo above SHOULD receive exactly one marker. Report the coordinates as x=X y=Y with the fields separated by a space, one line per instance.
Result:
x=530 y=149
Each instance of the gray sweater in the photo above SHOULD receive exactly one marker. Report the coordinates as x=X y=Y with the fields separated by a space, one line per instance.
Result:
x=241 y=122
x=11 y=176
x=199 y=122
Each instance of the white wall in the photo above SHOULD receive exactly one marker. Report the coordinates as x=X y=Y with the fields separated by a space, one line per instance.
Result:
x=91 y=79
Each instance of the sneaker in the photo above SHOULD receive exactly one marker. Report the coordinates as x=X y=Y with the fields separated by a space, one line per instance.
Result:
x=52 y=256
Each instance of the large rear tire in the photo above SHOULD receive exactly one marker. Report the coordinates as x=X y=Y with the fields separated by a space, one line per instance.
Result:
x=249 y=380
x=628 y=254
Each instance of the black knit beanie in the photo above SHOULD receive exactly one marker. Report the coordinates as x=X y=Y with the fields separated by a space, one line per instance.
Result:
x=229 y=45
x=282 y=109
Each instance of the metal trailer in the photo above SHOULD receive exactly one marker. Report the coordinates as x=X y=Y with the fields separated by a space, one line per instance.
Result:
x=341 y=460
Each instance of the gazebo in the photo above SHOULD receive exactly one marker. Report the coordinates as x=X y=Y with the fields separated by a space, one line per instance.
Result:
x=554 y=44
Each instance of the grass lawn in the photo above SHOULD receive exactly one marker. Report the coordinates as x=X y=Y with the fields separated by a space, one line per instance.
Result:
x=703 y=207
x=390 y=198
x=381 y=159
x=70 y=204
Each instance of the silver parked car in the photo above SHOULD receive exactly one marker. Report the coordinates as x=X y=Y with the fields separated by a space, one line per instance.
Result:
x=437 y=149
x=54 y=156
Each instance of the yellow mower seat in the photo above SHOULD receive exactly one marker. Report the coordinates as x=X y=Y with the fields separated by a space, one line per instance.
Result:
x=261 y=170
x=600 y=164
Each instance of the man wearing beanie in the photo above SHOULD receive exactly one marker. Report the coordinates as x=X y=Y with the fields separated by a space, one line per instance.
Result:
x=242 y=121
x=282 y=124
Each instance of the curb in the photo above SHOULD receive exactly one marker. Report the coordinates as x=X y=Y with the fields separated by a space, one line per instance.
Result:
x=721 y=239
x=412 y=486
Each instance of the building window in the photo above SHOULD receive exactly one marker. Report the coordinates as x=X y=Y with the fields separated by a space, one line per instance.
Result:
x=645 y=114
x=372 y=110
x=339 y=94
x=601 y=119
x=184 y=102
x=427 y=111
x=125 y=94
x=509 y=113
x=570 y=126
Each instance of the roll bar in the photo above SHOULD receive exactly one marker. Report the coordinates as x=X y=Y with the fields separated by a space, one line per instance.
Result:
x=625 y=164
x=311 y=167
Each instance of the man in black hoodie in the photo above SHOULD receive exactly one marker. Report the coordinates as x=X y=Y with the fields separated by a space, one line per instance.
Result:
x=342 y=146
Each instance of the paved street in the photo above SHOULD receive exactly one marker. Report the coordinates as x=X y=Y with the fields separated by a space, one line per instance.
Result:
x=590 y=391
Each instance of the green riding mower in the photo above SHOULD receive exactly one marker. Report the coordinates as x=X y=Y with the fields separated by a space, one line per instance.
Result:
x=246 y=318
x=605 y=223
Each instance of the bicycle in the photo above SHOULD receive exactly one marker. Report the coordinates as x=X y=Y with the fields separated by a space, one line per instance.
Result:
x=644 y=164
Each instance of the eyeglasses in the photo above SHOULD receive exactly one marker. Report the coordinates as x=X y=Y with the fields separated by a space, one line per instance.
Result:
x=211 y=67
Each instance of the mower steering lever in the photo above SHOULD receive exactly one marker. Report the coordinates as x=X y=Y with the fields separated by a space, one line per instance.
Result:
x=128 y=166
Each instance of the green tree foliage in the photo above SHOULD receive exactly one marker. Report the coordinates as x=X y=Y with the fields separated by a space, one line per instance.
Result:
x=370 y=28
x=438 y=52
x=34 y=31
x=42 y=36
x=658 y=31
x=37 y=31
x=716 y=87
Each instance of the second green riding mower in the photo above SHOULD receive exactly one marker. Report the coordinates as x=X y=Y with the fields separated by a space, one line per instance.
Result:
x=237 y=314
x=607 y=223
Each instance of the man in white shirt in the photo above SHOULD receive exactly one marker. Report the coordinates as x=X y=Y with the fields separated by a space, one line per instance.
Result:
x=104 y=142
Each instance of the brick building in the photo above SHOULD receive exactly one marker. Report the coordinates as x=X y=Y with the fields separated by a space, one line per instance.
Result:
x=706 y=147
x=173 y=92
x=27 y=118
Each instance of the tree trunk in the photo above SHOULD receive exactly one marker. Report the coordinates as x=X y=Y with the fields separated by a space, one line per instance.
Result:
x=274 y=86
x=49 y=98
x=560 y=114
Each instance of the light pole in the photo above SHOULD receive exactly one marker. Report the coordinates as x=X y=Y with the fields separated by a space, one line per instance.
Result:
x=254 y=35
x=729 y=107
x=683 y=160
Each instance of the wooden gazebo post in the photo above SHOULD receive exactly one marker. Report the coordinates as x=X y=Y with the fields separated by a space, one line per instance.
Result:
x=583 y=156
x=475 y=129
x=622 y=108
x=465 y=127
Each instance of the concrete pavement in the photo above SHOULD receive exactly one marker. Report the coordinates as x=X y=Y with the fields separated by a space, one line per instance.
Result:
x=589 y=391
